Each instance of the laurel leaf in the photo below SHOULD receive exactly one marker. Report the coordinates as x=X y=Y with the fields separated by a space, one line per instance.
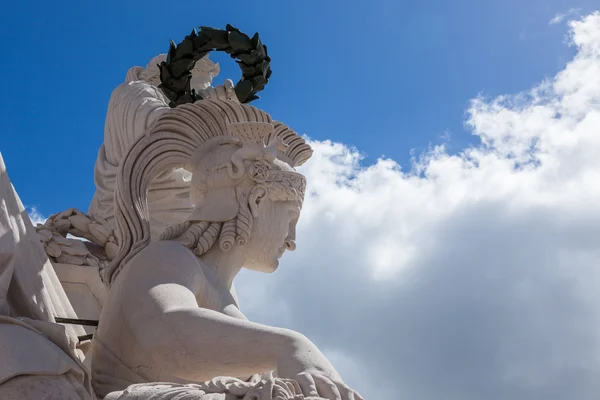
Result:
x=219 y=39
x=180 y=67
x=168 y=92
x=165 y=74
x=239 y=42
x=261 y=53
x=243 y=90
x=231 y=28
x=255 y=40
x=202 y=43
x=184 y=50
x=258 y=83
x=250 y=58
x=247 y=70
x=249 y=53
x=197 y=55
x=263 y=68
x=172 y=50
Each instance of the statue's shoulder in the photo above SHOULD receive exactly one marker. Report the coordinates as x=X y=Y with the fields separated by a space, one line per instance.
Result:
x=163 y=261
x=163 y=271
x=169 y=261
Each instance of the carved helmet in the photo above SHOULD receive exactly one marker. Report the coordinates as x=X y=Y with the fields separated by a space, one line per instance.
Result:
x=249 y=153
x=226 y=145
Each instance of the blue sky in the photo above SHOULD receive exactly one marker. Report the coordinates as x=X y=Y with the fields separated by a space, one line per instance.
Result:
x=384 y=76
x=477 y=280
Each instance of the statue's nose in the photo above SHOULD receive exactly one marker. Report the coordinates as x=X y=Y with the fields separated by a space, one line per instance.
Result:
x=290 y=244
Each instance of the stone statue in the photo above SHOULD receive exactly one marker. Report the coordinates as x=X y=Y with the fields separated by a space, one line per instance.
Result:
x=40 y=359
x=188 y=194
x=172 y=315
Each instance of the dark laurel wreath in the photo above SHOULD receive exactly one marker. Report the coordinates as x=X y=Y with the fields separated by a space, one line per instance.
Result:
x=250 y=54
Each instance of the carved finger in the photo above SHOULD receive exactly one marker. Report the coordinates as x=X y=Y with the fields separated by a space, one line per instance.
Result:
x=230 y=89
x=327 y=388
x=207 y=93
x=65 y=214
x=221 y=93
x=80 y=222
x=307 y=384
x=45 y=234
x=212 y=93
x=100 y=233
x=53 y=249
x=70 y=259
x=228 y=84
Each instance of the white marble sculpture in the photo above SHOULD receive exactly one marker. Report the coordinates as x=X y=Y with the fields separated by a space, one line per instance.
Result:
x=40 y=359
x=186 y=197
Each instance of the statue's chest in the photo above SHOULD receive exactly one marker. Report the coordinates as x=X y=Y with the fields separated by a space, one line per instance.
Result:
x=213 y=298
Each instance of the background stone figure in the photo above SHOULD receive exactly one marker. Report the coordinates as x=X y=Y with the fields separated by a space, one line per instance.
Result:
x=133 y=106
x=40 y=359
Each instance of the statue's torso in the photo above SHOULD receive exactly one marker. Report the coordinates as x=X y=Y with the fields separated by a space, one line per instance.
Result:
x=118 y=358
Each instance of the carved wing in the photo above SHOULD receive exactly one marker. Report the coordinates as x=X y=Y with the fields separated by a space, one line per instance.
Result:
x=132 y=108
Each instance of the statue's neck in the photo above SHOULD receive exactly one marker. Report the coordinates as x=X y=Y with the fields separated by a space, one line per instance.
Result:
x=220 y=265
x=224 y=266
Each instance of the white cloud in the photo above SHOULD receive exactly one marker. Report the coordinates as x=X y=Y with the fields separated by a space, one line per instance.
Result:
x=469 y=276
x=560 y=17
x=557 y=19
x=35 y=216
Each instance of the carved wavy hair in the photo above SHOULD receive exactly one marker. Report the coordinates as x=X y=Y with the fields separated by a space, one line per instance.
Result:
x=201 y=236
x=169 y=143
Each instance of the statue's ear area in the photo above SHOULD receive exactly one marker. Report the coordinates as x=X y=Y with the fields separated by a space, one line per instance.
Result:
x=257 y=194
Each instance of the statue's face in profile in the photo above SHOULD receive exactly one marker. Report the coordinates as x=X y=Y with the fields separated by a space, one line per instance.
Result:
x=273 y=232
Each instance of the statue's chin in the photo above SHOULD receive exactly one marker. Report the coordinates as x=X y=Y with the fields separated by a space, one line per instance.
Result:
x=266 y=267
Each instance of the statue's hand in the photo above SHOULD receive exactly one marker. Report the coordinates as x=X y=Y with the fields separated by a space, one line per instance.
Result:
x=305 y=363
x=221 y=92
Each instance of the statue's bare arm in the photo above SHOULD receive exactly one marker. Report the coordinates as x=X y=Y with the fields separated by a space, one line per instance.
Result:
x=197 y=344
x=193 y=343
